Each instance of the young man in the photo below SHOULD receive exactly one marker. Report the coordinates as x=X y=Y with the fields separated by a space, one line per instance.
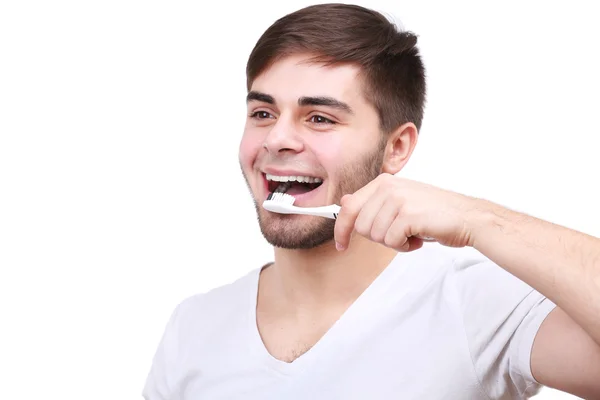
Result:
x=360 y=307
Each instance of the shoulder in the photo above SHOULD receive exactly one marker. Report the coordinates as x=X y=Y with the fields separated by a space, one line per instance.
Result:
x=470 y=280
x=475 y=275
x=463 y=264
x=437 y=255
x=221 y=299
x=434 y=259
x=206 y=312
x=459 y=257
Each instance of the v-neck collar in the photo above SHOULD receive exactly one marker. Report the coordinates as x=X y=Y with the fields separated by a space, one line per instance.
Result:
x=364 y=305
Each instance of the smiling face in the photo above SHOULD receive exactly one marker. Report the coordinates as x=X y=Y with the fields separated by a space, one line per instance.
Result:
x=310 y=126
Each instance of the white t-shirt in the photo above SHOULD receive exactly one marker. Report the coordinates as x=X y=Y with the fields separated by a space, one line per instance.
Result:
x=438 y=323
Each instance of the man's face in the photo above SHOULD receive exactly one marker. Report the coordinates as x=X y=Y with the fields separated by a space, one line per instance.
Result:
x=309 y=125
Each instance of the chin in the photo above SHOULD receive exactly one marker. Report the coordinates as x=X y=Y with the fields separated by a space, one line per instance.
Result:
x=295 y=232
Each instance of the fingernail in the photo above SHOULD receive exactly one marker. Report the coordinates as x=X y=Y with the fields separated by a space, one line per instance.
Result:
x=338 y=246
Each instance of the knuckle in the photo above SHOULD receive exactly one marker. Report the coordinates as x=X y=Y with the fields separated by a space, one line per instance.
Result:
x=395 y=235
x=383 y=177
x=362 y=228
x=389 y=240
x=377 y=235
x=351 y=207
x=397 y=195
x=389 y=182
x=345 y=200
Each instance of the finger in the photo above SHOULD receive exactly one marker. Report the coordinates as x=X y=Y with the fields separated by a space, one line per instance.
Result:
x=368 y=213
x=383 y=219
x=398 y=234
x=344 y=224
x=351 y=206
x=413 y=243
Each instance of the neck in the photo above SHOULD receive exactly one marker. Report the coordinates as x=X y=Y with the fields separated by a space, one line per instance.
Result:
x=314 y=278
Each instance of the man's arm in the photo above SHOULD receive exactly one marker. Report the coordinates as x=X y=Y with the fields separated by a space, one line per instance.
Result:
x=565 y=357
x=563 y=265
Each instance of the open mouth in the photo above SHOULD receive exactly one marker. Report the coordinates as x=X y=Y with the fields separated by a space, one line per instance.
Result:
x=292 y=185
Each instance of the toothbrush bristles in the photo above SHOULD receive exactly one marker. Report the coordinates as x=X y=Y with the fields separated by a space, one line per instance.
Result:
x=282 y=198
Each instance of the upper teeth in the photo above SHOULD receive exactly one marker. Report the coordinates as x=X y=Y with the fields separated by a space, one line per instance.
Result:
x=292 y=178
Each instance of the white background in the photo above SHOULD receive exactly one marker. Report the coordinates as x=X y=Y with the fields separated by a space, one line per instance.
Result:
x=120 y=191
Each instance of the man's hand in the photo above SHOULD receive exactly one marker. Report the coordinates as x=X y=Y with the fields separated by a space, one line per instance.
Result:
x=400 y=213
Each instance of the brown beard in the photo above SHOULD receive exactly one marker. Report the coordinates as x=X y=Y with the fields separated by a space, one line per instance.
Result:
x=308 y=232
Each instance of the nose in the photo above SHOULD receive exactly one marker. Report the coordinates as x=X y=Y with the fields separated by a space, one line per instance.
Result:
x=283 y=138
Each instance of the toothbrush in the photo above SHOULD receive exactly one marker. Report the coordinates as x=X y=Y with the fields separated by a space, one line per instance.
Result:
x=284 y=204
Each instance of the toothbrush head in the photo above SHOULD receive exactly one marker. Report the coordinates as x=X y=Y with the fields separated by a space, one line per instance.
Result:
x=280 y=203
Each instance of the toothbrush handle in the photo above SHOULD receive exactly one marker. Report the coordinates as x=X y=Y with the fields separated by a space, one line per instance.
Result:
x=330 y=212
x=333 y=210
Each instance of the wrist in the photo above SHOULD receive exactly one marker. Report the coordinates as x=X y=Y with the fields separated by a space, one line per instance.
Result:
x=482 y=220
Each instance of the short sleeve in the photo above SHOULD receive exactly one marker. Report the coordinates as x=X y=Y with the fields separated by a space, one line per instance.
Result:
x=501 y=316
x=523 y=343
x=158 y=385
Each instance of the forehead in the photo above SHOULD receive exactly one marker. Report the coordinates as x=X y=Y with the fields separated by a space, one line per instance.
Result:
x=295 y=76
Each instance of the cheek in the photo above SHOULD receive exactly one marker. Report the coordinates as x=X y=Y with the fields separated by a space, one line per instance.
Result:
x=332 y=153
x=250 y=146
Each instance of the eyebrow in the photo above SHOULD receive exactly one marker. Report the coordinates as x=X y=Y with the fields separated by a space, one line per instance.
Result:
x=258 y=96
x=303 y=101
x=325 y=101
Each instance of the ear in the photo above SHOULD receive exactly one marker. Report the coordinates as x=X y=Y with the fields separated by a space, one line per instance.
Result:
x=399 y=148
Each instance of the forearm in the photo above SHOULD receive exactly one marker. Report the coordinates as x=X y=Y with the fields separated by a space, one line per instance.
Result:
x=560 y=263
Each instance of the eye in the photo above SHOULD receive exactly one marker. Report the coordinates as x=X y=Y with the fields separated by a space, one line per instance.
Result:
x=319 y=119
x=260 y=115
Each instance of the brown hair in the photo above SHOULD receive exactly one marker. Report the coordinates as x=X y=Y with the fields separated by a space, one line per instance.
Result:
x=391 y=67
